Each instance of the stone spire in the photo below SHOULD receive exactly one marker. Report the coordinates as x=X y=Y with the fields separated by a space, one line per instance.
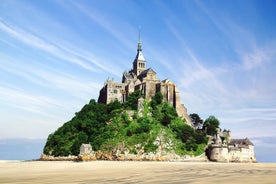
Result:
x=139 y=48
x=139 y=63
x=139 y=55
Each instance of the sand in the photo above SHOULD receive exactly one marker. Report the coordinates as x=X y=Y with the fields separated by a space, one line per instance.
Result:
x=135 y=172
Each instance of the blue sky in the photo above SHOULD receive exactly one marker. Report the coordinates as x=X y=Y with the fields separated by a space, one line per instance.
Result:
x=56 y=55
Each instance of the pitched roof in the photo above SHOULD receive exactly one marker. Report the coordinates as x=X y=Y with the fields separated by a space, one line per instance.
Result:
x=245 y=141
x=147 y=71
x=128 y=75
x=167 y=81
x=140 y=56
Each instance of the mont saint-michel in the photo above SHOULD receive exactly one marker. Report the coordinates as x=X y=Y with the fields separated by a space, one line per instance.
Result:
x=142 y=118
x=139 y=78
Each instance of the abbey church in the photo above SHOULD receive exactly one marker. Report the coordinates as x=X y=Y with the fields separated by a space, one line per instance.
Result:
x=145 y=80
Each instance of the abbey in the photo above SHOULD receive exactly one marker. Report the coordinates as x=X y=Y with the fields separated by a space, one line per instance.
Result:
x=145 y=80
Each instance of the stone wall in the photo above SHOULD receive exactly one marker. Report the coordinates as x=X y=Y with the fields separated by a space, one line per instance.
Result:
x=230 y=154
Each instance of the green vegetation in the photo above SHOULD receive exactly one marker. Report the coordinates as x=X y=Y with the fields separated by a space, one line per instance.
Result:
x=210 y=125
x=196 y=120
x=113 y=126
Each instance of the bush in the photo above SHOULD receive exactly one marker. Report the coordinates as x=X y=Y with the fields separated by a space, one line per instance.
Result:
x=169 y=113
x=150 y=147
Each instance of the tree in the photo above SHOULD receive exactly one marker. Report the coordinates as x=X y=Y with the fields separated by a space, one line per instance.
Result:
x=177 y=126
x=169 y=113
x=187 y=132
x=196 y=120
x=156 y=100
x=200 y=137
x=113 y=105
x=132 y=100
x=210 y=125
x=191 y=144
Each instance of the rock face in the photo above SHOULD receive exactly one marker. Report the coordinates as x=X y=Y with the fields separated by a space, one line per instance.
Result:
x=145 y=80
x=52 y=158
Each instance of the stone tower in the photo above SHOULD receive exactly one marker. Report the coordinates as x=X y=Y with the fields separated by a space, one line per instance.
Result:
x=139 y=63
x=144 y=80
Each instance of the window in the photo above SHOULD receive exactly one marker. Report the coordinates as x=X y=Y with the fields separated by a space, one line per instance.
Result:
x=115 y=91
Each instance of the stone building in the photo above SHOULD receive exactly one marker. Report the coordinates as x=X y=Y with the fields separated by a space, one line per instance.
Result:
x=145 y=80
x=86 y=149
x=230 y=150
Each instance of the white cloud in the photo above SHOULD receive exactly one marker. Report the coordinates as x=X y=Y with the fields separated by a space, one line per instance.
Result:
x=104 y=21
x=82 y=59
x=76 y=86
x=257 y=57
x=23 y=100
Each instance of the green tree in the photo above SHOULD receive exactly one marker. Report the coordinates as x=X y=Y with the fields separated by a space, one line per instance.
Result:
x=187 y=132
x=210 y=125
x=177 y=126
x=169 y=113
x=132 y=100
x=191 y=144
x=196 y=120
x=156 y=100
x=200 y=137
x=113 y=106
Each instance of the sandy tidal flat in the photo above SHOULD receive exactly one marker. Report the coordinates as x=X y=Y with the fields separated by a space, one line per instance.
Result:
x=135 y=172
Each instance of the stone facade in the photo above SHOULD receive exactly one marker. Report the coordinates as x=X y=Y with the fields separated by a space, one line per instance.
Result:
x=145 y=80
x=86 y=149
x=230 y=150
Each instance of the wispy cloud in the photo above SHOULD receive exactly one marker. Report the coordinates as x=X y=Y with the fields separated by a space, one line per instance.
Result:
x=195 y=71
x=78 y=87
x=257 y=57
x=30 y=102
x=243 y=41
x=218 y=90
x=105 y=23
x=82 y=59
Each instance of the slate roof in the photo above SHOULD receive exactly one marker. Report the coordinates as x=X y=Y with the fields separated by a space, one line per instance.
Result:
x=146 y=71
x=140 y=56
x=128 y=75
x=245 y=141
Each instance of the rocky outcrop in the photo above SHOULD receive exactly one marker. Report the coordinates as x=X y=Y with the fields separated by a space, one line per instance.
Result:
x=53 y=158
x=100 y=155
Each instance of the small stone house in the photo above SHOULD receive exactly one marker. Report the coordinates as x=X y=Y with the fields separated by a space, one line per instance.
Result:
x=86 y=149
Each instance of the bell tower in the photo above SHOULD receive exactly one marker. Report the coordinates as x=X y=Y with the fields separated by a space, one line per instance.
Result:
x=139 y=63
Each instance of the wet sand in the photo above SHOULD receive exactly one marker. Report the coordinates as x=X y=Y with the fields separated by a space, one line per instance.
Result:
x=135 y=172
